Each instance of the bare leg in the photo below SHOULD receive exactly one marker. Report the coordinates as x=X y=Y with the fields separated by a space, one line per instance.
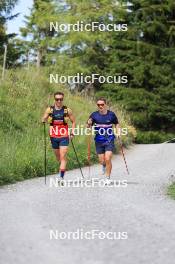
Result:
x=101 y=158
x=57 y=154
x=63 y=157
x=108 y=161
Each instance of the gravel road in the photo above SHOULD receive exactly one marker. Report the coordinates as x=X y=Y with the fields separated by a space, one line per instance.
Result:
x=140 y=214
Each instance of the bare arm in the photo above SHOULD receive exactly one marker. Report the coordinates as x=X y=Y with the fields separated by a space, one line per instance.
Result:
x=89 y=123
x=118 y=130
x=72 y=119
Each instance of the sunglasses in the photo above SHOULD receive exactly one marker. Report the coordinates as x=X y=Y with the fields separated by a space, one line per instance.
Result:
x=59 y=99
x=100 y=105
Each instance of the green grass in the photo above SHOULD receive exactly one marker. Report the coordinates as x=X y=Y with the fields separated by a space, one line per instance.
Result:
x=171 y=191
x=153 y=137
x=24 y=96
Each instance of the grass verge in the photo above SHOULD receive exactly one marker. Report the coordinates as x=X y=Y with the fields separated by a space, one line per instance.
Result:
x=171 y=190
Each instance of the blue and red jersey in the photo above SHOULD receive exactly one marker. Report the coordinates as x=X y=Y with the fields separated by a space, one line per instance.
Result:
x=58 y=128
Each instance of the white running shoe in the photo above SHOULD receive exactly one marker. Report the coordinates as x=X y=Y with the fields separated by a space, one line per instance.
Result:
x=82 y=178
x=107 y=181
x=103 y=169
x=60 y=181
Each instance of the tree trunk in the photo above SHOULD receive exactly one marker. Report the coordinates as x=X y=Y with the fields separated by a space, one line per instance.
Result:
x=39 y=58
x=4 y=62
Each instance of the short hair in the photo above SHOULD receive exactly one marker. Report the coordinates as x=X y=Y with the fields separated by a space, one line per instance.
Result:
x=58 y=93
x=102 y=99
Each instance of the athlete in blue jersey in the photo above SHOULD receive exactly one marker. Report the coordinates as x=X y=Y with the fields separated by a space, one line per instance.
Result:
x=103 y=121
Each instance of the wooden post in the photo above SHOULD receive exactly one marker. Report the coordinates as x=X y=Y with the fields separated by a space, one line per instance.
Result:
x=4 y=63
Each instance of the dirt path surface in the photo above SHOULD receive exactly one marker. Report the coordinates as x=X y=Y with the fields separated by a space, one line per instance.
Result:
x=30 y=210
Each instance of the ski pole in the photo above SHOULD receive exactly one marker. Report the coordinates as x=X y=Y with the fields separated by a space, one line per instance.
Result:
x=45 y=151
x=77 y=158
x=89 y=153
x=123 y=155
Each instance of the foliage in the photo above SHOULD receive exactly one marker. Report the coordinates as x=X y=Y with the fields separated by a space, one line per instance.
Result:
x=171 y=190
x=37 y=28
x=145 y=53
x=5 y=14
x=153 y=136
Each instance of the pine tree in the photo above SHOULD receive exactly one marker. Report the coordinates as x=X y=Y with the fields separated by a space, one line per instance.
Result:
x=5 y=15
x=37 y=28
x=147 y=56
x=86 y=51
